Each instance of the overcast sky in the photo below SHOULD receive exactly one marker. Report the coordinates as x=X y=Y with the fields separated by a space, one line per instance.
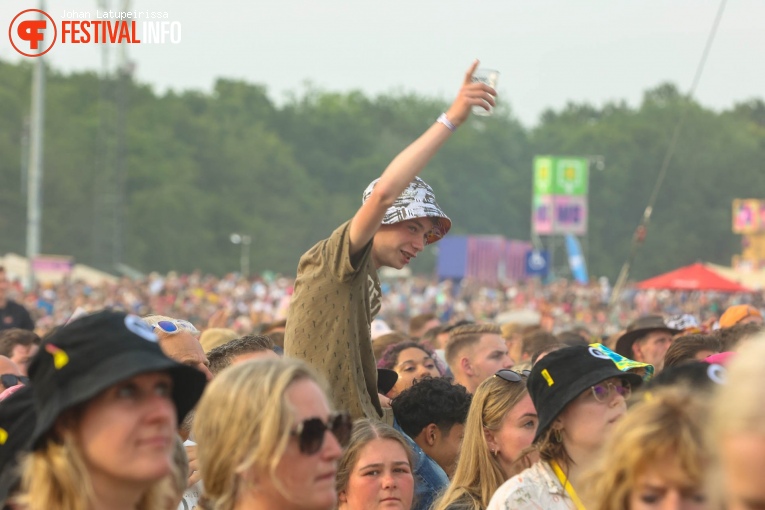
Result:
x=549 y=52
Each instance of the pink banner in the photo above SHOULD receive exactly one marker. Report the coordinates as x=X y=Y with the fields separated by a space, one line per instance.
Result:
x=542 y=215
x=570 y=215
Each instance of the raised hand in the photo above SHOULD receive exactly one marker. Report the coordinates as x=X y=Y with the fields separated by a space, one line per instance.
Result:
x=470 y=94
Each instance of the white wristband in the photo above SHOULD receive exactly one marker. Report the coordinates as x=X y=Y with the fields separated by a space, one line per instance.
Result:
x=443 y=119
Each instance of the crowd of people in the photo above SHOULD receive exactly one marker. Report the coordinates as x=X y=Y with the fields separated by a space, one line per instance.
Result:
x=336 y=390
x=245 y=304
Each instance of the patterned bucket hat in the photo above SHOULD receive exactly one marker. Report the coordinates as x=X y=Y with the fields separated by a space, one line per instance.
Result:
x=417 y=201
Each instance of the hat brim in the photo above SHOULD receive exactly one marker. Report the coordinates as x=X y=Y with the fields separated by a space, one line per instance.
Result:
x=548 y=415
x=188 y=385
x=624 y=343
x=441 y=224
x=386 y=380
x=20 y=405
x=412 y=210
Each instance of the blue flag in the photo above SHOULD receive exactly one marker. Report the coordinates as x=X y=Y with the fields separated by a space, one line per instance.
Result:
x=576 y=259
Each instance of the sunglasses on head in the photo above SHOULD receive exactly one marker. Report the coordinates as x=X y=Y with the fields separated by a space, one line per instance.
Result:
x=511 y=375
x=310 y=432
x=174 y=326
x=9 y=380
x=605 y=390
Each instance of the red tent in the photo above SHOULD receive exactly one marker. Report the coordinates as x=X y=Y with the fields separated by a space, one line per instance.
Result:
x=694 y=277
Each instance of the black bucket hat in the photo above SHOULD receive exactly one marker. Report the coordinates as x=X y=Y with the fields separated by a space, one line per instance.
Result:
x=386 y=380
x=563 y=375
x=17 y=421
x=83 y=358
x=639 y=328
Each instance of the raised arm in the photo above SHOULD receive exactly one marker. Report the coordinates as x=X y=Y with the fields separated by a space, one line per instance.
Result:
x=408 y=164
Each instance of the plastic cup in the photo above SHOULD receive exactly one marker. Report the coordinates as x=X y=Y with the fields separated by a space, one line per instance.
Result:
x=489 y=77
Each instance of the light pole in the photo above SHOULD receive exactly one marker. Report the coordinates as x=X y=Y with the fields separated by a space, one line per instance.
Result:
x=245 y=257
x=35 y=171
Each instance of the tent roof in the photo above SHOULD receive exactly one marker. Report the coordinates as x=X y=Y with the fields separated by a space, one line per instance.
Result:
x=694 y=277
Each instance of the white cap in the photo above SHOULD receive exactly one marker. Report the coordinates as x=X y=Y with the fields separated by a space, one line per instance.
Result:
x=379 y=328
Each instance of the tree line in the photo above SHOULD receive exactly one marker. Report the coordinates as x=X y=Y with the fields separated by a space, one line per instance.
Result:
x=195 y=167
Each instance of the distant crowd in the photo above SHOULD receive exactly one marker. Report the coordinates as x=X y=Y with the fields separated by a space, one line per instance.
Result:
x=245 y=304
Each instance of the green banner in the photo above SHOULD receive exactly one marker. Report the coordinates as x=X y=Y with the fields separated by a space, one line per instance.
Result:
x=560 y=176
x=570 y=176
x=543 y=176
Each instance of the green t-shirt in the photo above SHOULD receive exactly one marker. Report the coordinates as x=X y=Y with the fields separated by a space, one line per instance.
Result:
x=329 y=319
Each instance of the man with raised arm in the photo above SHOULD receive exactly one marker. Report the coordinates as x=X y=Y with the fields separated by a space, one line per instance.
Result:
x=337 y=291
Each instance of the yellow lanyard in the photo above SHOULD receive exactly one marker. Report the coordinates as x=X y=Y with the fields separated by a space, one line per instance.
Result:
x=567 y=486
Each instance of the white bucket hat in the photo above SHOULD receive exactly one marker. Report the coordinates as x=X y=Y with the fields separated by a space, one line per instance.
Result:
x=416 y=201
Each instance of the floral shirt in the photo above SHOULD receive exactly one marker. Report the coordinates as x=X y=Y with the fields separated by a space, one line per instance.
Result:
x=536 y=488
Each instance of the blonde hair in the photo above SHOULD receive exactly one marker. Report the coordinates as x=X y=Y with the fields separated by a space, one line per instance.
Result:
x=479 y=473
x=364 y=432
x=667 y=426
x=243 y=422
x=465 y=336
x=215 y=337
x=55 y=476
x=509 y=329
x=737 y=406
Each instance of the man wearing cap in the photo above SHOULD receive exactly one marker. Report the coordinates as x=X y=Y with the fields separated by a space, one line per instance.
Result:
x=740 y=314
x=647 y=340
x=337 y=291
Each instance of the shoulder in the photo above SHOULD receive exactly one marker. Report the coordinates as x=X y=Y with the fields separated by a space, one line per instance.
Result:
x=13 y=305
x=332 y=252
x=526 y=490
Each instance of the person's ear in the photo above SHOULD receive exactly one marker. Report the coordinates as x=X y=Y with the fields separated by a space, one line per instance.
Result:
x=342 y=497
x=432 y=434
x=491 y=441
x=249 y=477
x=466 y=367
x=637 y=351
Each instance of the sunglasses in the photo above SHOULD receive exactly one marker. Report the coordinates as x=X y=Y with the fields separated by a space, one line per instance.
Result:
x=174 y=326
x=605 y=390
x=310 y=432
x=9 y=380
x=511 y=375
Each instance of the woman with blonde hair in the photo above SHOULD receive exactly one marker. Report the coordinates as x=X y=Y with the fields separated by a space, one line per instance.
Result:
x=108 y=403
x=267 y=438
x=500 y=425
x=737 y=431
x=655 y=458
x=376 y=469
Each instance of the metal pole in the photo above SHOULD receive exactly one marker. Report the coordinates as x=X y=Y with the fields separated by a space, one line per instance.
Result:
x=25 y=155
x=34 y=188
x=123 y=80
x=246 y=256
